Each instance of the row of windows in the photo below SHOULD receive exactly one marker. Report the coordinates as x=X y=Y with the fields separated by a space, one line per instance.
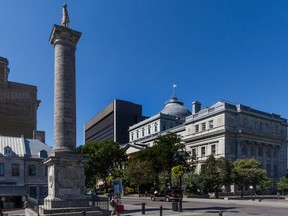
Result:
x=254 y=151
x=142 y=131
x=15 y=170
x=203 y=151
x=204 y=126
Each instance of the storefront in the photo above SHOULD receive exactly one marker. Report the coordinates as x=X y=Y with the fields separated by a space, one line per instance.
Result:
x=12 y=197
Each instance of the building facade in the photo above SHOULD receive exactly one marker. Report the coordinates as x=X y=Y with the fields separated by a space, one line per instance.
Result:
x=228 y=130
x=113 y=121
x=22 y=172
x=18 y=105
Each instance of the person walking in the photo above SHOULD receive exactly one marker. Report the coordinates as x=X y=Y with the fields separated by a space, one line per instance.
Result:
x=114 y=204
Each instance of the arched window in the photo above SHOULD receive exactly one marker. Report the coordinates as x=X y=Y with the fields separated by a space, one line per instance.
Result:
x=7 y=151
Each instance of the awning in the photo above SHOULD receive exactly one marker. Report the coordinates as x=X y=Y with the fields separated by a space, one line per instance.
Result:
x=12 y=191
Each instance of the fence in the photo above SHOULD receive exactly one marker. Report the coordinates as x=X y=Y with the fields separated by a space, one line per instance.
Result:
x=58 y=205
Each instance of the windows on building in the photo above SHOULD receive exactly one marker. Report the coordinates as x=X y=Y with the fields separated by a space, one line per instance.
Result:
x=15 y=170
x=211 y=125
x=32 y=170
x=43 y=154
x=132 y=136
x=203 y=151
x=275 y=155
x=268 y=152
x=275 y=171
x=7 y=151
x=243 y=149
x=33 y=191
x=196 y=128
x=143 y=132
x=149 y=129
x=252 y=151
x=213 y=149
x=260 y=151
x=194 y=152
x=1 y=169
x=156 y=127
x=204 y=126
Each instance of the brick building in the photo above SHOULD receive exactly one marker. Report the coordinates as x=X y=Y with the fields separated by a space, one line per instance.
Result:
x=18 y=105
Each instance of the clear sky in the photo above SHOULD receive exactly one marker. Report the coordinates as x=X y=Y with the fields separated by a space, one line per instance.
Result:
x=136 y=49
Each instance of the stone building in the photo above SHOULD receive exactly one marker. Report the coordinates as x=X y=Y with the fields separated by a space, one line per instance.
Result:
x=22 y=172
x=228 y=130
x=113 y=121
x=172 y=115
x=18 y=105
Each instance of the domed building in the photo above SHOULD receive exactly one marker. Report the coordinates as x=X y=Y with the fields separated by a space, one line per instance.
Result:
x=172 y=115
x=175 y=107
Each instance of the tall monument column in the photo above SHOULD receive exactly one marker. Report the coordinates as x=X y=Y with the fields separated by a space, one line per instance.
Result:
x=66 y=178
x=64 y=41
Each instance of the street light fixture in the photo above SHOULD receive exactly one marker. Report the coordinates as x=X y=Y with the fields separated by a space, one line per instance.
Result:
x=180 y=157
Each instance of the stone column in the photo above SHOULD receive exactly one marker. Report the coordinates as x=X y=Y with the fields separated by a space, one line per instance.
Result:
x=66 y=179
x=64 y=41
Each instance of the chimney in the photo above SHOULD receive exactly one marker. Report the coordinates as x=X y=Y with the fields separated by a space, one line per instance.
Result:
x=4 y=70
x=196 y=107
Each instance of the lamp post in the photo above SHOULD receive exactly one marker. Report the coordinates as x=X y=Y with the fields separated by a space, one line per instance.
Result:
x=180 y=157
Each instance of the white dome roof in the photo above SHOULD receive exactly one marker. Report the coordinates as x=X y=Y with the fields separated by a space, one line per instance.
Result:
x=175 y=107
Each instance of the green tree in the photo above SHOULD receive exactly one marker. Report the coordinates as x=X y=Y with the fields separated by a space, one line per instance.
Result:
x=104 y=159
x=225 y=166
x=192 y=182
x=161 y=153
x=247 y=172
x=264 y=184
x=282 y=185
x=139 y=173
x=211 y=175
x=163 y=179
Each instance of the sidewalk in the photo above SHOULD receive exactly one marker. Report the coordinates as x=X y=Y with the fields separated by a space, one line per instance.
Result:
x=132 y=210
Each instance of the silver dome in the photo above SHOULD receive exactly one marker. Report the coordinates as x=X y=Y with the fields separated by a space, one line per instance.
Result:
x=175 y=107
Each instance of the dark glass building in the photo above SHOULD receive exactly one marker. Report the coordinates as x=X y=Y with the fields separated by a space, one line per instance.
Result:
x=113 y=121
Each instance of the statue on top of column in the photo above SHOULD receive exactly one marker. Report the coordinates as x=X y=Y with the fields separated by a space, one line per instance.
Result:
x=65 y=19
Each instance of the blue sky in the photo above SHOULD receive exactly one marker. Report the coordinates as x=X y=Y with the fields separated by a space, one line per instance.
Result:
x=136 y=49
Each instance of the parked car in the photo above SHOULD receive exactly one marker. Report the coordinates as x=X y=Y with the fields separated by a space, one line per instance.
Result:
x=93 y=194
x=166 y=195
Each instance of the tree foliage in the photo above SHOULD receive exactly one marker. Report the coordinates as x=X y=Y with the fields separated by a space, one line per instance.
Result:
x=139 y=173
x=161 y=153
x=282 y=185
x=210 y=174
x=247 y=172
x=104 y=159
x=178 y=170
x=192 y=182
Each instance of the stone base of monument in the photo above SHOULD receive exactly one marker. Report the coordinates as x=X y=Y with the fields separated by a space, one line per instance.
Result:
x=67 y=212
x=73 y=207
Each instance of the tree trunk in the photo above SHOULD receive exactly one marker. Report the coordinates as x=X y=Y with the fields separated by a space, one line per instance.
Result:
x=242 y=192
x=138 y=190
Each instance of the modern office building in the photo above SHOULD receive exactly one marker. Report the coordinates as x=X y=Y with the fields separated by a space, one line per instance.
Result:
x=22 y=172
x=18 y=105
x=113 y=121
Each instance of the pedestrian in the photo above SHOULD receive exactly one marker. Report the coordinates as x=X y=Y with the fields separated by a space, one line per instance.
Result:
x=114 y=204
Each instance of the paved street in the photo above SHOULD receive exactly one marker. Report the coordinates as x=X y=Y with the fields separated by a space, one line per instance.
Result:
x=210 y=207
x=200 y=207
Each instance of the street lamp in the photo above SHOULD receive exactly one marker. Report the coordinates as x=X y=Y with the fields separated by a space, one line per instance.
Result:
x=180 y=157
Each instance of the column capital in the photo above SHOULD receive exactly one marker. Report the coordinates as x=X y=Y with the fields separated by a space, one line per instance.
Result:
x=62 y=33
